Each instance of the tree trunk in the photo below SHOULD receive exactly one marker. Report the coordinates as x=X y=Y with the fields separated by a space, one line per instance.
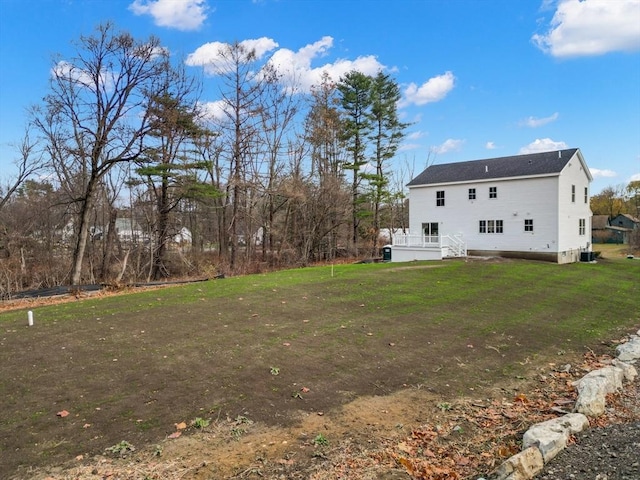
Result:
x=83 y=233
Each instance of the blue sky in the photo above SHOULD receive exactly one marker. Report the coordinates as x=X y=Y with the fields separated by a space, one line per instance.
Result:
x=479 y=78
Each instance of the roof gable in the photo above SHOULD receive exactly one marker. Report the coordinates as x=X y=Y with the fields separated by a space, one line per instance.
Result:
x=534 y=164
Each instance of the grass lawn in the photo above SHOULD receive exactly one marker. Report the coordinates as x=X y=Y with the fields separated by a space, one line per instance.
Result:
x=268 y=348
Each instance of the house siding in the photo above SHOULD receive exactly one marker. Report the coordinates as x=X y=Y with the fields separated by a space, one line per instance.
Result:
x=570 y=241
x=544 y=199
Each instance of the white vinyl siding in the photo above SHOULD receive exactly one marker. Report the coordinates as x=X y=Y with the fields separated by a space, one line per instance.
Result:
x=545 y=200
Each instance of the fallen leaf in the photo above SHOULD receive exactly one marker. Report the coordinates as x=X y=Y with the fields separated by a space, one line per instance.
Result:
x=522 y=398
x=86 y=425
x=181 y=426
x=391 y=344
x=62 y=413
x=286 y=344
x=175 y=435
x=304 y=390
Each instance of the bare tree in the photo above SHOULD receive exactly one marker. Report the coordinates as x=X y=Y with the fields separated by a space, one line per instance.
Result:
x=95 y=115
x=323 y=130
x=29 y=162
x=280 y=107
x=241 y=91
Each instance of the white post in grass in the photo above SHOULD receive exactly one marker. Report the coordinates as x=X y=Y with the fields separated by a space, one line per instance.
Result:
x=30 y=317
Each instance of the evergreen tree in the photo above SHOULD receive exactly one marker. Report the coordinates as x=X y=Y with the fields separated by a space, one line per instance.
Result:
x=355 y=101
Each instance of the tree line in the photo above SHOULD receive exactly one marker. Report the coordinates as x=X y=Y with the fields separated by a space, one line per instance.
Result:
x=124 y=174
x=614 y=201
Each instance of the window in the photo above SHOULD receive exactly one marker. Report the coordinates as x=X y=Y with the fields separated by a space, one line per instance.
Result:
x=573 y=194
x=493 y=192
x=581 y=226
x=586 y=195
x=472 y=194
x=430 y=229
x=528 y=224
x=440 y=198
x=491 y=226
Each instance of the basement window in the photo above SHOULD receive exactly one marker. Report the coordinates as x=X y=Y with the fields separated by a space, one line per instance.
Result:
x=528 y=224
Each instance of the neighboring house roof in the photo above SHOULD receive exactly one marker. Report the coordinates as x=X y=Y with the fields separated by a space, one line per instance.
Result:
x=631 y=218
x=599 y=222
x=533 y=164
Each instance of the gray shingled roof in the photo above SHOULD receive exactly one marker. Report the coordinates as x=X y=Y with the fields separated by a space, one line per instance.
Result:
x=490 y=168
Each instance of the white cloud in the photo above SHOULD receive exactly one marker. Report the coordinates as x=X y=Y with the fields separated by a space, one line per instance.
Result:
x=407 y=147
x=597 y=173
x=212 y=57
x=68 y=71
x=296 y=67
x=213 y=110
x=490 y=146
x=416 y=135
x=542 y=145
x=449 y=145
x=433 y=90
x=534 y=122
x=179 y=14
x=592 y=27
x=635 y=177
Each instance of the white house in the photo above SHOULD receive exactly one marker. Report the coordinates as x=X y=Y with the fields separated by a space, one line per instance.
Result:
x=527 y=206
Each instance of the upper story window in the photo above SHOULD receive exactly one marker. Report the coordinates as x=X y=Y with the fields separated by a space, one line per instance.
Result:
x=440 y=198
x=573 y=194
x=493 y=192
x=472 y=194
x=586 y=195
x=528 y=224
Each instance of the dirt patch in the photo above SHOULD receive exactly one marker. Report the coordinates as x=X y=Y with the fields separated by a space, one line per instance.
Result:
x=409 y=434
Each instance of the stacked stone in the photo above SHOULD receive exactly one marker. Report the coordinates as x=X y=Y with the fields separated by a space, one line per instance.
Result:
x=545 y=440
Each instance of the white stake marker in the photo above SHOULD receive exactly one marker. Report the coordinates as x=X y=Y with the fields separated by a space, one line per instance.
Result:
x=30 y=317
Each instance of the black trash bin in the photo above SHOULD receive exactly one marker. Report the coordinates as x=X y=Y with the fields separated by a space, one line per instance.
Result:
x=386 y=253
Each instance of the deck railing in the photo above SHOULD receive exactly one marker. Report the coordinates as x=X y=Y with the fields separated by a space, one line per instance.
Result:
x=453 y=245
x=413 y=240
x=457 y=247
